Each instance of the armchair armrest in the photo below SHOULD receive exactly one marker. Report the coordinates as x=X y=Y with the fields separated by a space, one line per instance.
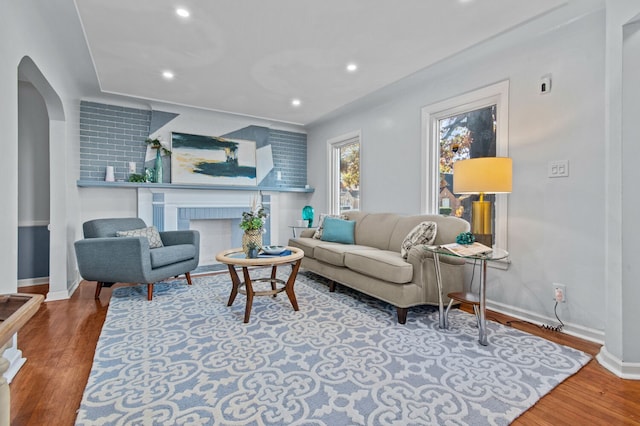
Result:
x=172 y=238
x=113 y=259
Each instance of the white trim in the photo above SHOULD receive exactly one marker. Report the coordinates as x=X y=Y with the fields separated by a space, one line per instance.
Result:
x=590 y=334
x=15 y=358
x=27 y=282
x=32 y=223
x=333 y=204
x=624 y=370
x=495 y=94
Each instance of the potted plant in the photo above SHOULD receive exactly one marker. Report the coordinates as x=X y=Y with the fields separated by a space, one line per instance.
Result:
x=252 y=249
x=252 y=223
x=156 y=144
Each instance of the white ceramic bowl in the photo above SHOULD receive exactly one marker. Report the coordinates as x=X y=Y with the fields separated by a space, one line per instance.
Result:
x=273 y=249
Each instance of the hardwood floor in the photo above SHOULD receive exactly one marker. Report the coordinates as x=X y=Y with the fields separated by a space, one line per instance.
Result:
x=59 y=342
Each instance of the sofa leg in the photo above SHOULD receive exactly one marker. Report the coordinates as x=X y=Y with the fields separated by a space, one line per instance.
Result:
x=98 y=289
x=188 y=275
x=332 y=286
x=150 y=291
x=402 y=315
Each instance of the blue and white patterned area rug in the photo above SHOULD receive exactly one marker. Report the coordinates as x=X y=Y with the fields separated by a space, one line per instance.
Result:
x=185 y=358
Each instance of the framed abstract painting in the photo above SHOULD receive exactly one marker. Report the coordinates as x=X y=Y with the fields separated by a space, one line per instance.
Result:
x=211 y=160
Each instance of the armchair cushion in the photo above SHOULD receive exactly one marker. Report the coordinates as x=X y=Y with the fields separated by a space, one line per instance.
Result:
x=168 y=255
x=150 y=233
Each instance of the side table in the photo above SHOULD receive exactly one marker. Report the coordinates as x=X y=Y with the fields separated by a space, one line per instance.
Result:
x=479 y=301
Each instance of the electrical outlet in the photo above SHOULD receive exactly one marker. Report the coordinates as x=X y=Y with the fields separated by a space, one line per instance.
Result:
x=558 y=168
x=559 y=293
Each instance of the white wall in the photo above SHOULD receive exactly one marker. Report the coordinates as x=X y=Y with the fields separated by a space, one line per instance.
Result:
x=33 y=154
x=555 y=229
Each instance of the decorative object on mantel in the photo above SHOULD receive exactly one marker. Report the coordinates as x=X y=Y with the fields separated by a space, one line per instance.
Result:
x=307 y=214
x=253 y=225
x=212 y=160
x=109 y=176
x=135 y=177
x=157 y=145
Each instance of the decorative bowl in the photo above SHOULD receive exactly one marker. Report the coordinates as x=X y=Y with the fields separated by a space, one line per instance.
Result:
x=273 y=249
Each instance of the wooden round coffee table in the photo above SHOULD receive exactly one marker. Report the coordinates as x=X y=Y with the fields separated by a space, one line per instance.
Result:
x=236 y=258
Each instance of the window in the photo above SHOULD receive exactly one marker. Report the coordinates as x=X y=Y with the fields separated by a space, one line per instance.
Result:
x=468 y=126
x=344 y=175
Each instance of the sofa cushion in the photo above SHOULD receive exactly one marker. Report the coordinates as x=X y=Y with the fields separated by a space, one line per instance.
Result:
x=168 y=255
x=334 y=253
x=423 y=233
x=375 y=229
x=318 y=234
x=150 y=233
x=382 y=264
x=307 y=245
x=338 y=231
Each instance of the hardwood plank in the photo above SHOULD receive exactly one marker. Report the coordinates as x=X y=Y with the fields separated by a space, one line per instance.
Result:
x=60 y=340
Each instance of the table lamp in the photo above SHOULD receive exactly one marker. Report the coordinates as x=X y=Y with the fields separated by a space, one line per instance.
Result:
x=486 y=175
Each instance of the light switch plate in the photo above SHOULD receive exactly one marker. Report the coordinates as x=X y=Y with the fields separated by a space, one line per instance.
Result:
x=558 y=168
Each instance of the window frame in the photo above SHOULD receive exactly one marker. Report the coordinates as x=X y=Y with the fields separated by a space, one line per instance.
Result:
x=333 y=161
x=495 y=94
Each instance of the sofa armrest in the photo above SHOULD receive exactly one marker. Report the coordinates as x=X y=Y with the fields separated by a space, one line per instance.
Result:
x=307 y=233
x=113 y=259
x=419 y=253
x=172 y=238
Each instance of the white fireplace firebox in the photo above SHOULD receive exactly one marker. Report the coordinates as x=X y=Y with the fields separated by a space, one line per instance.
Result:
x=177 y=209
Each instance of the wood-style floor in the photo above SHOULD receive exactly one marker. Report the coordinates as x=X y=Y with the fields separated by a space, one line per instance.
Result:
x=59 y=342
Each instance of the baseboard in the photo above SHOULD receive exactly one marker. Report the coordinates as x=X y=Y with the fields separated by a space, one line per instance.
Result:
x=27 y=282
x=590 y=334
x=16 y=361
x=624 y=370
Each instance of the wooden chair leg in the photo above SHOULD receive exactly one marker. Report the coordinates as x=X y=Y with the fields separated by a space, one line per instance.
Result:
x=332 y=286
x=150 y=291
x=188 y=275
x=98 y=289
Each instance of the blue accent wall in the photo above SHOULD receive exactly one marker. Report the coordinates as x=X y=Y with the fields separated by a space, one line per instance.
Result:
x=113 y=136
x=33 y=252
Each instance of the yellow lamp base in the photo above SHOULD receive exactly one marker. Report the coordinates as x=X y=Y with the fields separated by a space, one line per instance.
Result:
x=481 y=222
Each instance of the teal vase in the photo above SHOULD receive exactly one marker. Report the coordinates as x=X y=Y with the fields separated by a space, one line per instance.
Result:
x=158 y=173
x=307 y=214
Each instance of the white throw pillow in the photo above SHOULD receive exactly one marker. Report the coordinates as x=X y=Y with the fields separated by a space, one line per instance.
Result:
x=318 y=234
x=151 y=233
x=423 y=233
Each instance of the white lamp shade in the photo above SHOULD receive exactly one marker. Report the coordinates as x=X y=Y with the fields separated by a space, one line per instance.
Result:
x=489 y=175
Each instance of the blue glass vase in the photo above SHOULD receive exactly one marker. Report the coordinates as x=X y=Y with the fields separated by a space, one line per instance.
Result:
x=158 y=165
x=307 y=214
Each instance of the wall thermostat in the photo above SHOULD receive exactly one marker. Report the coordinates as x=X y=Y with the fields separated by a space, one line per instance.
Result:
x=545 y=85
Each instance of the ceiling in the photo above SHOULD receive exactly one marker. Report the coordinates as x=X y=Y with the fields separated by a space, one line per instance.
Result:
x=253 y=57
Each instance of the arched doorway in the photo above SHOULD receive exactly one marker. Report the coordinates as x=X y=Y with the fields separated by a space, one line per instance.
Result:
x=28 y=72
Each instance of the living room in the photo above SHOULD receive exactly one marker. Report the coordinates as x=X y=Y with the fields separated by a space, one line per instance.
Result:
x=577 y=231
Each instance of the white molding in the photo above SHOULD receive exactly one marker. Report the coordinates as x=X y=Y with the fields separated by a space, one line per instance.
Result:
x=32 y=223
x=498 y=94
x=27 y=282
x=15 y=358
x=586 y=333
x=333 y=200
x=624 y=370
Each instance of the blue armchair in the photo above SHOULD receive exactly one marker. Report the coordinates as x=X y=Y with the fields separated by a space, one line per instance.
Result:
x=108 y=259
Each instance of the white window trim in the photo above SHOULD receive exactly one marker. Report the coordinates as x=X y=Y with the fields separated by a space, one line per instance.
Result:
x=495 y=94
x=333 y=199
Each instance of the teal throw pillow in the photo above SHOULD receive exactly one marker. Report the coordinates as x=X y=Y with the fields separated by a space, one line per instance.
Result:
x=338 y=230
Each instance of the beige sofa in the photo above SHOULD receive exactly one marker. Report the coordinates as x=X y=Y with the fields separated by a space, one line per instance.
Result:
x=374 y=266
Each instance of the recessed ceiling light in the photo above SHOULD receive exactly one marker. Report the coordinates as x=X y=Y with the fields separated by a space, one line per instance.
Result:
x=184 y=13
x=296 y=102
x=352 y=67
x=168 y=75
